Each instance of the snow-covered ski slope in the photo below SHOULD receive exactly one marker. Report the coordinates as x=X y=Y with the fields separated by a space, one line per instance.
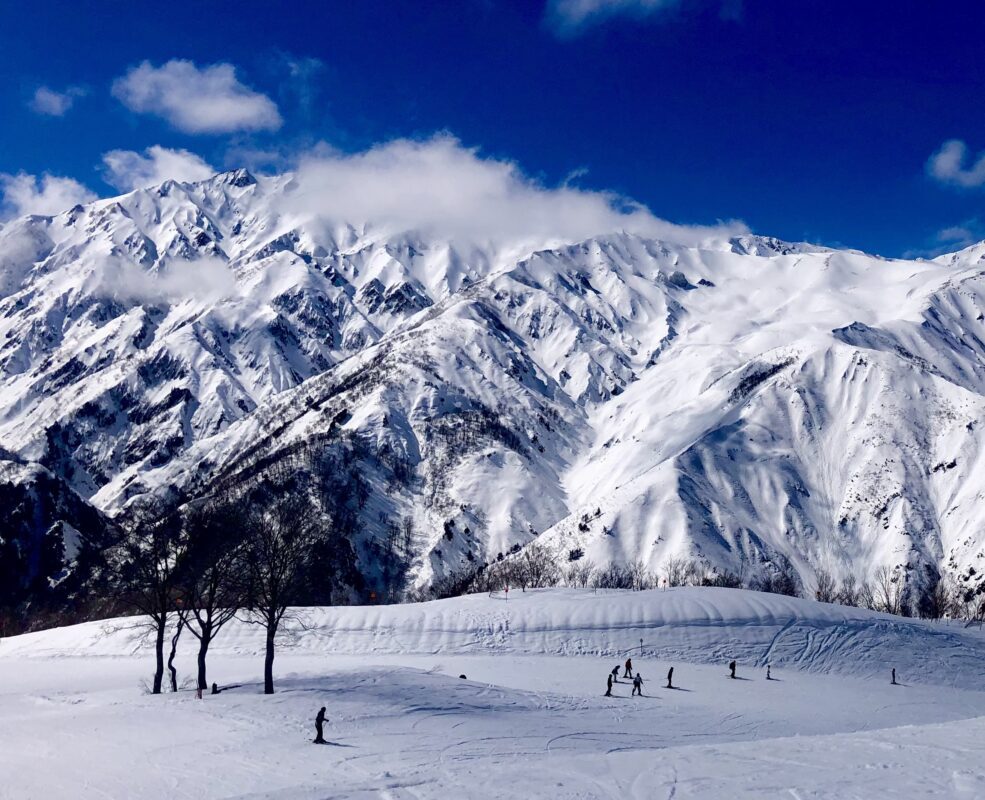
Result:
x=529 y=720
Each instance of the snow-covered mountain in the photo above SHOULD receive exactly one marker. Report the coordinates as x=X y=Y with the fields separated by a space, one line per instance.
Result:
x=745 y=403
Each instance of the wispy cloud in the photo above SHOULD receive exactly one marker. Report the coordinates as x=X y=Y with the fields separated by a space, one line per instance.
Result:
x=53 y=103
x=441 y=188
x=947 y=165
x=48 y=194
x=193 y=99
x=204 y=279
x=572 y=16
x=128 y=169
x=950 y=240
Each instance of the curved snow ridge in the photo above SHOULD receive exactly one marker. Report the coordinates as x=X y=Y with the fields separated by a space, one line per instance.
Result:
x=699 y=625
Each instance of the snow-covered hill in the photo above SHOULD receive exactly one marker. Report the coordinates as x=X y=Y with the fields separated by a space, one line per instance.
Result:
x=743 y=402
x=697 y=625
x=482 y=697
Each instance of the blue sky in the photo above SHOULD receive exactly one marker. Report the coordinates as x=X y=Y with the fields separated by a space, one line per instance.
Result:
x=846 y=123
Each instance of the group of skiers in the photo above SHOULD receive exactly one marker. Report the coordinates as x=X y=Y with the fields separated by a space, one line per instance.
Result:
x=637 y=678
x=613 y=677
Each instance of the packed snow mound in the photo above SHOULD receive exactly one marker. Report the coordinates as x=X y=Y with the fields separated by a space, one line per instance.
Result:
x=696 y=625
x=743 y=402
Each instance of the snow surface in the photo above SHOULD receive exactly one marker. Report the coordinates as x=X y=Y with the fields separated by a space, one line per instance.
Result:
x=530 y=719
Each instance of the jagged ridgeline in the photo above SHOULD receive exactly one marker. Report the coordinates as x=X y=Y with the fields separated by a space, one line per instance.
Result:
x=764 y=411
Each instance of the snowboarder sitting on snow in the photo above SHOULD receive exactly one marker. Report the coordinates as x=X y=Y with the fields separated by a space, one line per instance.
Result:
x=638 y=685
x=629 y=668
x=319 y=722
x=608 y=690
x=731 y=668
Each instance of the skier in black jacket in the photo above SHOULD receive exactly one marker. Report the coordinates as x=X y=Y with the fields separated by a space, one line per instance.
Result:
x=319 y=722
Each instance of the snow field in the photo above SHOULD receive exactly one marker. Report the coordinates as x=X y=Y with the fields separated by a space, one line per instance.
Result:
x=530 y=719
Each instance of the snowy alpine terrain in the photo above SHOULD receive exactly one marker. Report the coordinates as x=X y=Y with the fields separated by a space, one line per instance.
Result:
x=481 y=696
x=735 y=400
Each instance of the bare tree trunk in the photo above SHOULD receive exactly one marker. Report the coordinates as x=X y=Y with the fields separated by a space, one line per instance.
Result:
x=268 y=661
x=203 y=650
x=171 y=655
x=159 y=654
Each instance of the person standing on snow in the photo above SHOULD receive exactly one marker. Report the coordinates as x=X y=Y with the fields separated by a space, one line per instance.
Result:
x=608 y=690
x=615 y=673
x=670 y=678
x=629 y=668
x=319 y=722
x=731 y=668
x=638 y=685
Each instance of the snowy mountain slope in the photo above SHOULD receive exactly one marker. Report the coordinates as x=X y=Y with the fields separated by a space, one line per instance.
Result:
x=745 y=402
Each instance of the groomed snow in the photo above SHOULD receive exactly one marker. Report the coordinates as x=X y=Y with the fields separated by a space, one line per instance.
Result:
x=530 y=719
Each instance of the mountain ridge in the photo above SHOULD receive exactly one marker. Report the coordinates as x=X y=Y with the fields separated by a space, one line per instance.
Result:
x=747 y=403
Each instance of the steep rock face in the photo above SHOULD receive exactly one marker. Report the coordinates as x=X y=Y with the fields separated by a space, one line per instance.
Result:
x=746 y=403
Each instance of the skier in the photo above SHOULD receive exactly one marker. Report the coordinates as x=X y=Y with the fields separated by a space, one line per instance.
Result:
x=629 y=668
x=894 y=676
x=319 y=722
x=769 y=677
x=638 y=685
x=608 y=690
x=615 y=673
x=670 y=678
x=731 y=668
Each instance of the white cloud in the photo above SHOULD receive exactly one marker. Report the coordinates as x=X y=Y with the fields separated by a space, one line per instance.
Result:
x=206 y=280
x=962 y=234
x=948 y=165
x=209 y=99
x=441 y=188
x=27 y=194
x=128 y=170
x=569 y=16
x=55 y=104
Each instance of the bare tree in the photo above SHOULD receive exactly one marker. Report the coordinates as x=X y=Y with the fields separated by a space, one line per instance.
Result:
x=640 y=577
x=612 y=576
x=151 y=549
x=866 y=597
x=780 y=580
x=724 y=579
x=848 y=592
x=213 y=575
x=174 y=651
x=939 y=599
x=278 y=543
x=681 y=572
x=579 y=574
x=888 y=590
x=539 y=566
x=825 y=591
x=973 y=610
